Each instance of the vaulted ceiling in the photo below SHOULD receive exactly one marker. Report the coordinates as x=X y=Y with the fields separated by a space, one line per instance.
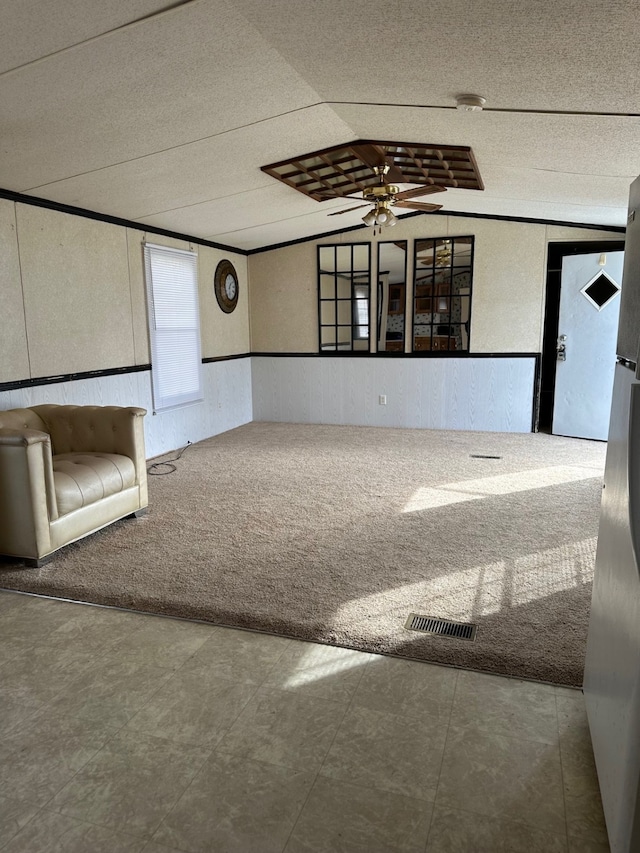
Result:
x=163 y=113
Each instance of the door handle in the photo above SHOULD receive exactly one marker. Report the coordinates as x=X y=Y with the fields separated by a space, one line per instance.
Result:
x=561 y=348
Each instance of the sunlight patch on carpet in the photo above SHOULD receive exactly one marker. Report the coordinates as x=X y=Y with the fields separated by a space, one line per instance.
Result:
x=553 y=571
x=502 y=484
x=485 y=590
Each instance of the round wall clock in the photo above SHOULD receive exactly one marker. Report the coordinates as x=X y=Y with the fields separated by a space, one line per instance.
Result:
x=225 y=283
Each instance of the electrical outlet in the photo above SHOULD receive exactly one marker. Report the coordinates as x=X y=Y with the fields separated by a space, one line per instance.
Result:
x=382 y=399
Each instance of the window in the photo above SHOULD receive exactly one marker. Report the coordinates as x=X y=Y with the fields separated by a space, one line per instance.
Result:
x=343 y=296
x=443 y=271
x=174 y=325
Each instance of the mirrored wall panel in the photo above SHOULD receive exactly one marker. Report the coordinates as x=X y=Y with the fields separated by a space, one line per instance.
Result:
x=392 y=289
x=344 y=286
x=443 y=272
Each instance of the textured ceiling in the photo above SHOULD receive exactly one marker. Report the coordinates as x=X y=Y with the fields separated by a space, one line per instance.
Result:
x=164 y=112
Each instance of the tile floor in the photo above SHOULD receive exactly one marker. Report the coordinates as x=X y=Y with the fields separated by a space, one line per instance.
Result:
x=125 y=732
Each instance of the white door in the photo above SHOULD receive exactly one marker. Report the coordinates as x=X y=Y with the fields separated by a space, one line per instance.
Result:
x=587 y=334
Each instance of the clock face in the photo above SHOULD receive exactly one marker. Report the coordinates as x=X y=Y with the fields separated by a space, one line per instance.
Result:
x=225 y=283
x=230 y=286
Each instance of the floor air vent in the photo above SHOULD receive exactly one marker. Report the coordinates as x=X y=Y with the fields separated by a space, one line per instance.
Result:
x=441 y=627
x=483 y=456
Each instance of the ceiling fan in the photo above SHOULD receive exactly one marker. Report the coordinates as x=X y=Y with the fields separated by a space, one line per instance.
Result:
x=383 y=196
x=386 y=194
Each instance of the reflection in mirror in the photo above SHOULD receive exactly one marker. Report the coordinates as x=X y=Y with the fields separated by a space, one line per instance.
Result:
x=443 y=269
x=392 y=283
x=343 y=296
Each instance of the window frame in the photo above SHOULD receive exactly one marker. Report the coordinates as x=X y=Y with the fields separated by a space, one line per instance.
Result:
x=449 y=296
x=165 y=358
x=357 y=282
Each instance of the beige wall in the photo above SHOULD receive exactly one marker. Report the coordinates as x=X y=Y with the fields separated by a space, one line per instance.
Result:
x=73 y=295
x=284 y=299
x=222 y=334
x=508 y=282
x=75 y=283
x=14 y=353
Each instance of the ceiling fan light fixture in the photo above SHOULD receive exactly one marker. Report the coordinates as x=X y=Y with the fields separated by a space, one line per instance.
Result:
x=381 y=216
x=470 y=103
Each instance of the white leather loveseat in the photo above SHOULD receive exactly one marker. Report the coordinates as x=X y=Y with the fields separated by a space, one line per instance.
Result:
x=65 y=472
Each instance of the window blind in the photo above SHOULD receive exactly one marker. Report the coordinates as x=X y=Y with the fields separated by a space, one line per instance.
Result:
x=174 y=325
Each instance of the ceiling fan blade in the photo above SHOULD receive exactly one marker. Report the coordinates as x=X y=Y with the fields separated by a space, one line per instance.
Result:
x=417 y=205
x=340 y=212
x=370 y=154
x=374 y=155
x=327 y=195
x=418 y=191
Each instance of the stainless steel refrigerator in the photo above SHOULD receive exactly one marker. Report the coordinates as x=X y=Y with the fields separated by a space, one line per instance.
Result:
x=612 y=667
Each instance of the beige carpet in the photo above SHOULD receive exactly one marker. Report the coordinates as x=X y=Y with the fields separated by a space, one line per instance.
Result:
x=336 y=534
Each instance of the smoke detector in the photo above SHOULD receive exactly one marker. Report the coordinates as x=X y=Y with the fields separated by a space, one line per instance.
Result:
x=470 y=103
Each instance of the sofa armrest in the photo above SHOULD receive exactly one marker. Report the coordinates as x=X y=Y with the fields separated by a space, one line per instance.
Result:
x=130 y=432
x=21 y=437
x=27 y=494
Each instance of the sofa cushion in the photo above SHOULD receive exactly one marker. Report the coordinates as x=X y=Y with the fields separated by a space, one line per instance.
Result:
x=83 y=478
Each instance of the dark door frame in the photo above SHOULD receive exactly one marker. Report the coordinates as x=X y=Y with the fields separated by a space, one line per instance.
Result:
x=555 y=254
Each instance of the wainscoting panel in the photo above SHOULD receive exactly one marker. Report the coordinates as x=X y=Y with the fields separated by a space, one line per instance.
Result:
x=227 y=403
x=488 y=394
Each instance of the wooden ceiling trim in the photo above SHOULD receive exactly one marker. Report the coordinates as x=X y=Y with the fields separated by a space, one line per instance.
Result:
x=316 y=177
x=345 y=173
x=343 y=170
